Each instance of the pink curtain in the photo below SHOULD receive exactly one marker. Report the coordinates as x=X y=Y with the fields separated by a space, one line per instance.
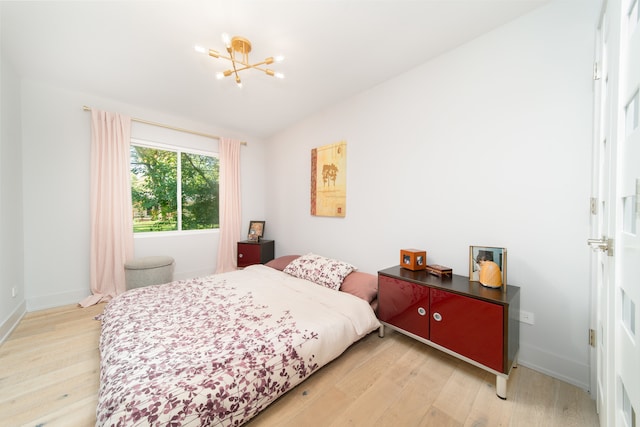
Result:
x=111 y=210
x=230 y=209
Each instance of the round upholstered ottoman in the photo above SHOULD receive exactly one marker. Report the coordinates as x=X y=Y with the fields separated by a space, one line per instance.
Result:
x=150 y=270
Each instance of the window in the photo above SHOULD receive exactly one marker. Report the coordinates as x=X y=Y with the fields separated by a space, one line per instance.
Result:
x=628 y=413
x=162 y=201
x=628 y=314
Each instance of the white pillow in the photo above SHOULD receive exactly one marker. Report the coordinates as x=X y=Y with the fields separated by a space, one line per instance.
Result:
x=326 y=272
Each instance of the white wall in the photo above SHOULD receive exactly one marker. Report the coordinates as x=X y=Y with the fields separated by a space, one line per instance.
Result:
x=11 y=246
x=56 y=149
x=487 y=145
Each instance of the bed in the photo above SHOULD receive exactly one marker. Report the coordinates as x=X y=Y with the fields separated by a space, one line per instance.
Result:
x=216 y=350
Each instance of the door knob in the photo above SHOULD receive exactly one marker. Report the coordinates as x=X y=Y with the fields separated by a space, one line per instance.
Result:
x=604 y=244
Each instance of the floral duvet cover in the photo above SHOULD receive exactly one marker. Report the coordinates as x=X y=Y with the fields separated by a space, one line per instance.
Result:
x=216 y=350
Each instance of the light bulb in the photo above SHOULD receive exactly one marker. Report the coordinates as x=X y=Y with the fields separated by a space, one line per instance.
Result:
x=279 y=58
x=199 y=49
x=226 y=40
x=219 y=75
x=279 y=76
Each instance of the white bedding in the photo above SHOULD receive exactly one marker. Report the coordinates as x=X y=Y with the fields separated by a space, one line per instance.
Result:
x=216 y=350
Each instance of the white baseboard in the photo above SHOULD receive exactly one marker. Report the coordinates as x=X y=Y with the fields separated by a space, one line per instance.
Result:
x=12 y=321
x=56 y=300
x=555 y=366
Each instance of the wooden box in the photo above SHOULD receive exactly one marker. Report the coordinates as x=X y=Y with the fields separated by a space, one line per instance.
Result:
x=439 y=270
x=413 y=259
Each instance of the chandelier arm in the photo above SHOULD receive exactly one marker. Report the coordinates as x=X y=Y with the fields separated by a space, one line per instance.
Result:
x=247 y=67
x=235 y=69
x=264 y=70
x=265 y=62
x=228 y=58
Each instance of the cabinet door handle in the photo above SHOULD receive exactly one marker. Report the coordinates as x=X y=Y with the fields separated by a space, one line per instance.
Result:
x=422 y=311
x=239 y=255
x=437 y=317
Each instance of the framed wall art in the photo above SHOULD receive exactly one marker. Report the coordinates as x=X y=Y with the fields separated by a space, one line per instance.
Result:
x=488 y=265
x=329 y=180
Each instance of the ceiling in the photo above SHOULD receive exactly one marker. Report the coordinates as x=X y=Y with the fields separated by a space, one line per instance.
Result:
x=141 y=52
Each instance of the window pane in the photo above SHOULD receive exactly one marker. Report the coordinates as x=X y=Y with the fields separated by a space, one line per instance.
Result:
x=633 y=17
x=632 y=112
x=199 y=191
x=153 y=189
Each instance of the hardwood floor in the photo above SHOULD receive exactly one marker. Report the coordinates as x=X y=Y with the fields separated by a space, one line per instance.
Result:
x=49 y=369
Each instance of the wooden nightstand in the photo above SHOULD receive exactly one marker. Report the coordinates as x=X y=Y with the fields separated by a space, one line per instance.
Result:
x=250 y=253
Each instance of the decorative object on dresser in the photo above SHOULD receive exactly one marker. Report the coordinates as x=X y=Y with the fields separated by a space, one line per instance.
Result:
x=474 y=323
x=251 y=252
x=413 y=259
x=439 y=270
x=256 y=231
x=488 y=265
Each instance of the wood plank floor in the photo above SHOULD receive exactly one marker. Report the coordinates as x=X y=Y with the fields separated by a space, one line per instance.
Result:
x=49 y=369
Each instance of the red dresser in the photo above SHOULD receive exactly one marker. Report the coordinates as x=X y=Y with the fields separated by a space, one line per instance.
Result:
x=465 y=319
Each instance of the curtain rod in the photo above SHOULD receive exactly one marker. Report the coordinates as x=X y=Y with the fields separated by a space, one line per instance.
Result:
x=85 y=108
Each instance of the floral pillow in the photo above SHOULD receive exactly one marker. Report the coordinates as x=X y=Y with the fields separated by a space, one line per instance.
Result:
x=326 y=272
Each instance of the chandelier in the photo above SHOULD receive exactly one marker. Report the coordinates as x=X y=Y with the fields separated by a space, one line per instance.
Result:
x=238 y=49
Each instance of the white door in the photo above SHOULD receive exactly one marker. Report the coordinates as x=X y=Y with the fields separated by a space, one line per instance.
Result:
x=627 y=292
x=601 y=226
x=616 y=287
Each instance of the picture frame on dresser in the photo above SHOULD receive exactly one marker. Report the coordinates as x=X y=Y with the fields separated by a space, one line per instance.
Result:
x=477 y=254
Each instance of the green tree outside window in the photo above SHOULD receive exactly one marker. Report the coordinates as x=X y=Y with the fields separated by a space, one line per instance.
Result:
x=155 y=188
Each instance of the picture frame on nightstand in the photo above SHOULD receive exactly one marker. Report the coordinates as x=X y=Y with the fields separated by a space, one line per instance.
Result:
x=256 y=231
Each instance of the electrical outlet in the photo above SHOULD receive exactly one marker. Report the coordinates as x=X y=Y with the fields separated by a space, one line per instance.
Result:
x=526 y=317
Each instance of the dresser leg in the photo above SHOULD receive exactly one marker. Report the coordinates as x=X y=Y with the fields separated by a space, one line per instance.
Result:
x=381 y=331
x=501 y=387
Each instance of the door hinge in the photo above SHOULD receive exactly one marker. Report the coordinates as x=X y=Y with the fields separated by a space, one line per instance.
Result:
x=592 y=338
x=596 y=71
x=593 y=206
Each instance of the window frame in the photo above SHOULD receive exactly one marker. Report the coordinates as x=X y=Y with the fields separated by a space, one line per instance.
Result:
x=178 y=150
